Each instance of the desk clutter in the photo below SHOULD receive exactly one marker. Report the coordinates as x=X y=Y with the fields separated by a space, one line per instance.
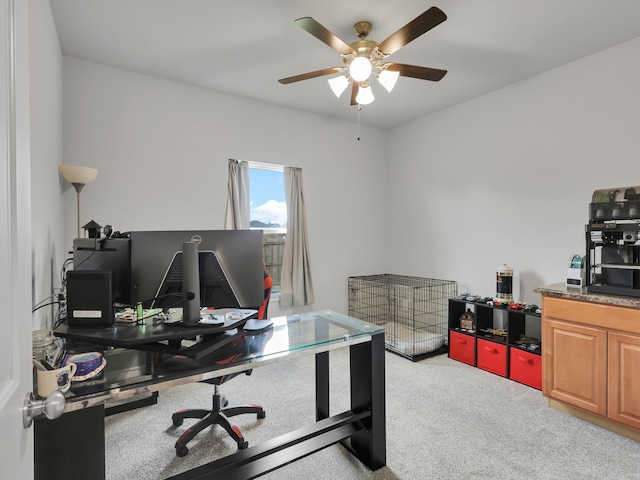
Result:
x=208 y=316
x=79 y=367
x=56 y=368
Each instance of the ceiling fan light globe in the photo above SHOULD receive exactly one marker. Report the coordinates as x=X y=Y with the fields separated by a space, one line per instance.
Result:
x=388 y=79
x=338 y=85
x=360 y=69
x=365 y=95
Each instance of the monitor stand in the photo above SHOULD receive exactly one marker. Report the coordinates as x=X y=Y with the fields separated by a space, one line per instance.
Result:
x=191 y=284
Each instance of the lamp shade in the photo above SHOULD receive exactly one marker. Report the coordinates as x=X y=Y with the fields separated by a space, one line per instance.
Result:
x=75 y=174
x=365 y=95
x=338 y=85
x=388 y=79
x=360 y=69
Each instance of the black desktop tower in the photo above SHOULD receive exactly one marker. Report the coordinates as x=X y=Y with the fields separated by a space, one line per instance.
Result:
x=112 y=254
x=90 y=298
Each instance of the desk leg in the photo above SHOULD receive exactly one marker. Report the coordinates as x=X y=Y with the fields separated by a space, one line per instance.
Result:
x=322 y=386
x=70 y=447
x=368 y=393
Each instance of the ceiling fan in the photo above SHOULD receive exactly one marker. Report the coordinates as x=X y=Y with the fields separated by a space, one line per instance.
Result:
x=364 y=57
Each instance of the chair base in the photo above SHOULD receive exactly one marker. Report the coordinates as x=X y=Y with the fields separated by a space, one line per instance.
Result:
x=218 y=415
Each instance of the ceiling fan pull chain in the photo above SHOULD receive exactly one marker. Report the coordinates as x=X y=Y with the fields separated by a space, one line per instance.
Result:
x=359 y=108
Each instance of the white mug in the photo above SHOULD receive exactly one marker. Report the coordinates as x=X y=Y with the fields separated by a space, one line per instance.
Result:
x=57 y=379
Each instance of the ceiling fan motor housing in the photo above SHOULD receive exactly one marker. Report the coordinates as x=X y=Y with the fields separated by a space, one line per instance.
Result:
x=363 y=48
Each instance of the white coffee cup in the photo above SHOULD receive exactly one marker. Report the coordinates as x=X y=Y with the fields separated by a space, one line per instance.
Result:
x=57 y=379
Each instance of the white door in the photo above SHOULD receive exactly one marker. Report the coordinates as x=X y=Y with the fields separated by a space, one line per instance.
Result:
x=16 y=448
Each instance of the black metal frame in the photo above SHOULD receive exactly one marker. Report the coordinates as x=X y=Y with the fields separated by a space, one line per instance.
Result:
x=611 y=227
x=362 y=429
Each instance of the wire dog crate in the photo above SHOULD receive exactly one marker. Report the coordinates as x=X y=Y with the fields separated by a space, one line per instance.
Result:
x=413 y=310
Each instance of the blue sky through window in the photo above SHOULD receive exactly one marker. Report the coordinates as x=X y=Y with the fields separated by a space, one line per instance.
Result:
x=266 y=192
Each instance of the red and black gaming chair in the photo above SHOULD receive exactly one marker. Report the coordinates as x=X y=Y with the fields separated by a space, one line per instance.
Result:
x=220 y=412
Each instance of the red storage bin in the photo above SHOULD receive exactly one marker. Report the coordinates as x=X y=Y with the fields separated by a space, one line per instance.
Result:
x=462 y=347
x=526 y=368
x=492 y=357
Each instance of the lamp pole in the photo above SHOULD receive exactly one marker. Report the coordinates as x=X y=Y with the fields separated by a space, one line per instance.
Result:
x=78 y=177
x=78 y=187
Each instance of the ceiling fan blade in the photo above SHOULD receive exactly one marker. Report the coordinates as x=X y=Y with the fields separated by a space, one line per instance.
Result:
x=354 y=93
x=306 y=76
x=412 y=30
x=324 y=35
x=422 y=73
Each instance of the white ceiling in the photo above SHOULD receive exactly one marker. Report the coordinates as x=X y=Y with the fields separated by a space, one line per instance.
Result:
x=243 y=47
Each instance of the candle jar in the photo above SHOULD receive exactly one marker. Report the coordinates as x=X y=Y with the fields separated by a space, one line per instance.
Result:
x=43 y=346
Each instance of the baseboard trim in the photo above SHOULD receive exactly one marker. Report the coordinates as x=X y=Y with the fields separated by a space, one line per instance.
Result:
x=596 y=420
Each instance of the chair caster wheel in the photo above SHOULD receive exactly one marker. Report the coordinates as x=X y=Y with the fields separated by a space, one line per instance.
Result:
x=243 y=445
x=262 y=414
x=182 y=452
x=177 y=422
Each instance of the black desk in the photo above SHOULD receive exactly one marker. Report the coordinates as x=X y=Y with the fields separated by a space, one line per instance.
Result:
x=155 y=336
x=361 y=429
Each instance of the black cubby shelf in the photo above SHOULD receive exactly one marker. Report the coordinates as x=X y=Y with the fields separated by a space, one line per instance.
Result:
x=493 y=345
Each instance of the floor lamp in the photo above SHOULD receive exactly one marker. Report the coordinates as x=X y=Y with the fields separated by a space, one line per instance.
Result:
x=78 y=177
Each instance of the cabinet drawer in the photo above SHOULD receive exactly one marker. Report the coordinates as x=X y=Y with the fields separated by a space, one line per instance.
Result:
x=462 y=347
x=593 y=314
x=492 y=357
x=525 y=367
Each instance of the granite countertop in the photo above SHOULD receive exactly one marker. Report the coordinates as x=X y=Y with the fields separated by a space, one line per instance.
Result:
x=561 y=290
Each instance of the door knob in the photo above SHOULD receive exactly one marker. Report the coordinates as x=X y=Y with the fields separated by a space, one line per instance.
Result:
x=52 y=407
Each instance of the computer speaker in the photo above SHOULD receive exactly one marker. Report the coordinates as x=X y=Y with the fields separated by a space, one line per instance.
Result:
x=90 y=298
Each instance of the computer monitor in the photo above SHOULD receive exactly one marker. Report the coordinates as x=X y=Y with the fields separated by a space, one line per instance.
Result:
x=230 y=264
x=107 y=254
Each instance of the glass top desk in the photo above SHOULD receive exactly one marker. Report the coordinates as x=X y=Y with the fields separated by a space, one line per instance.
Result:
x=362 y=429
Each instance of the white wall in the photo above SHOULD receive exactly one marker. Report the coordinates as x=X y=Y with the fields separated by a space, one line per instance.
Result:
x=161 y=149
x=48 y=250
x=508 y=177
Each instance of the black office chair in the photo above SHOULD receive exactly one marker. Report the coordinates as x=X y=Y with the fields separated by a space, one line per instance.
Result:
x=220 y=413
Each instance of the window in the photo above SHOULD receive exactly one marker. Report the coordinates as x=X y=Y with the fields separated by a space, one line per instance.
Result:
x=268 y=212
x=296 y=285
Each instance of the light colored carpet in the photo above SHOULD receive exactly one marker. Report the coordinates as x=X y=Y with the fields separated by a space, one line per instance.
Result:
x=445 y=420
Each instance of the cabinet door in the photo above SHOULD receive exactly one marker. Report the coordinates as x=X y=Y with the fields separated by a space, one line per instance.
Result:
x=575 y=365
x=624 y=379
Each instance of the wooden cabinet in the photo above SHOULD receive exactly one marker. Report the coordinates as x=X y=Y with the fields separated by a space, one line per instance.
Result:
x=624 y=379
x=575 y=365
x=591 y=358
